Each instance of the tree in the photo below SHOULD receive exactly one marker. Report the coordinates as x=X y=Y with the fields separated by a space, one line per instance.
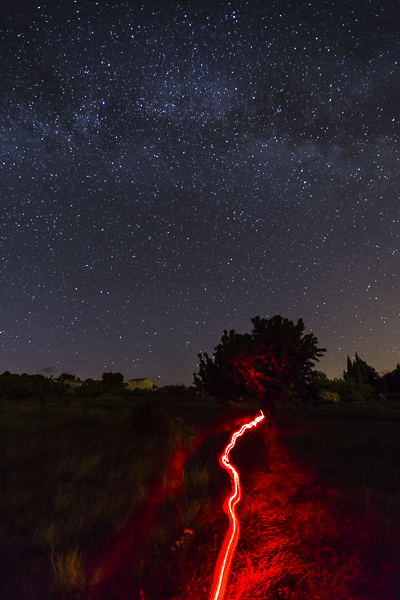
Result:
x=41 y=387
x=111 y=380
x=29 y=386
x=272 y=363
x=392 y=380
x=89 y=389
x=359 y=372
x=64 y=376
x=11 y=387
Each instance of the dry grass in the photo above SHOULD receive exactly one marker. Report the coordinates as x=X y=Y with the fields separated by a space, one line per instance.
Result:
x=68 y=569
x=85 y=512
x=71 y=477
x=297 y=542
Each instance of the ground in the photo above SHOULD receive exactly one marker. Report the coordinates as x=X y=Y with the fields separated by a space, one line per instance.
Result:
x=108 y=499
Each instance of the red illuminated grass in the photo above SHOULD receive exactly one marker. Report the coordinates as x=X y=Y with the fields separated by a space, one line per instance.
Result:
x=232 y=536
x=295 y=543
x=116 y=501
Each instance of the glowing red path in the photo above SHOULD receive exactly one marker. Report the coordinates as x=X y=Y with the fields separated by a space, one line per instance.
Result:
x=225 y=556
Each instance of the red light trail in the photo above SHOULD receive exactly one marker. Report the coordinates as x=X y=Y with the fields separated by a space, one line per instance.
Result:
x=221 y=572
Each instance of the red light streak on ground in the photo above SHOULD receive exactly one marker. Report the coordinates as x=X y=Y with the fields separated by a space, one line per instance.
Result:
x=114 y=558
x=225 y=556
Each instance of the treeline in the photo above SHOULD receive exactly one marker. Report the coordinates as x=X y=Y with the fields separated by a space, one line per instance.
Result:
x=110 y=383
x=16 y=387
x=39 y=387
x=360 y=382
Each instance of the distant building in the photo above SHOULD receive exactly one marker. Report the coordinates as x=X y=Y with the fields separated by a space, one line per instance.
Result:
x=143 y=383
x=73 y=383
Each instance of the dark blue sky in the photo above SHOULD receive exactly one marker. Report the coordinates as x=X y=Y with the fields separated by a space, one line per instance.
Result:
x=170 y=170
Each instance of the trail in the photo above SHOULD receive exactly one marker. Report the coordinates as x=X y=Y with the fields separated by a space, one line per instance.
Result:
x=115 y=556
x=226 y=553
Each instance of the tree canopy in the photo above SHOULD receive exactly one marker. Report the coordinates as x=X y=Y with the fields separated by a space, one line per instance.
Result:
x=13 y=386
x=111 y=381
x=272 y=363
x=359 y=372
x=392 y=380
x=64 y=376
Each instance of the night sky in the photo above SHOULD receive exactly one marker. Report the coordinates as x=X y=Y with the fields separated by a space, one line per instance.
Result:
x=170 y=170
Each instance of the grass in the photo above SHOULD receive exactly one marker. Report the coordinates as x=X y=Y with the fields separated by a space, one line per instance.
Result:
x=303 y=535
x=117 y=499
x=360 y=411
x=71 y=477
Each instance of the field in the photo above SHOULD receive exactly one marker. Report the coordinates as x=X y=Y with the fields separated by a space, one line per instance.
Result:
x=112 y=499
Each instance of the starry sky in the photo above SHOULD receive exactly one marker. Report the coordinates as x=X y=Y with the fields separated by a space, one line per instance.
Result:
x=170 y=170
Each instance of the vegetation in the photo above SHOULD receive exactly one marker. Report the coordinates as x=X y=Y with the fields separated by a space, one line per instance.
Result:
x=111 y=381
x=89 y=389
x=392 y=381
x=76 y=478
x=105 y=497
x=29 y=386
x=13 y=386
x=272 y=363
x=359 y=372
x=360 y=383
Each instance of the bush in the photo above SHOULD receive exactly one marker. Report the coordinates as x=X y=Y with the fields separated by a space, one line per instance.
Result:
x=329 y=396
x=348 y=391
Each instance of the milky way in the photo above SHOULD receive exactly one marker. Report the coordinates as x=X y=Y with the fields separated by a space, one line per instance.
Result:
x=171 y=170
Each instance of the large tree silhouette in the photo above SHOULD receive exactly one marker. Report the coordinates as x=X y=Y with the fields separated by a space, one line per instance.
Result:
x=272 y=363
